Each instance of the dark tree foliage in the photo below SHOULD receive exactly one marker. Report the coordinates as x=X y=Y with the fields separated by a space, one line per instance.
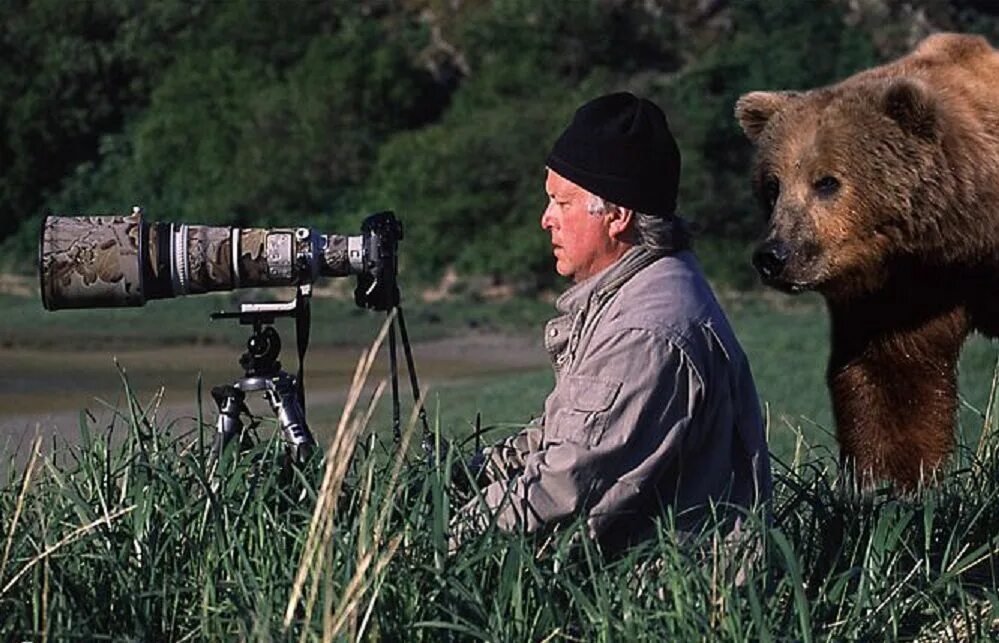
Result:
x=318 y=111
x=69 y=72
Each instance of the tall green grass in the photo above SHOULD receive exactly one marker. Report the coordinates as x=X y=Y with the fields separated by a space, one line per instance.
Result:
x=145 y=538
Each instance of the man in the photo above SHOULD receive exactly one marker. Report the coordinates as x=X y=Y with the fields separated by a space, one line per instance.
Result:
x=654 y=404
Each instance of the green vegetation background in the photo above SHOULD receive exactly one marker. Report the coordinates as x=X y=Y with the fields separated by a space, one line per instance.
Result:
x=316 y=113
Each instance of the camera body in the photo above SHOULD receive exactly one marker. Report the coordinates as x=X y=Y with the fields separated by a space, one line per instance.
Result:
x=121 y=260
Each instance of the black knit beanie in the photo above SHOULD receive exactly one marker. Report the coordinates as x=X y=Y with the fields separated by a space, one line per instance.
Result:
x=619 y=147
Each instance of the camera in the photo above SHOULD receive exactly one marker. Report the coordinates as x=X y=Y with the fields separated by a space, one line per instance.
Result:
x=121 y=260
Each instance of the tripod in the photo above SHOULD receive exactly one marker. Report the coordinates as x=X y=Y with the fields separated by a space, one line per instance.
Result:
x=262 y=372
x=286 y=393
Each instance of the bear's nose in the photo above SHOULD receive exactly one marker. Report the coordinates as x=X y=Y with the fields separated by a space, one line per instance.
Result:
x=770 y=258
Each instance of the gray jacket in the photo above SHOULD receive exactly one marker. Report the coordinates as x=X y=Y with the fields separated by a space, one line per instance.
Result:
x=654 y=405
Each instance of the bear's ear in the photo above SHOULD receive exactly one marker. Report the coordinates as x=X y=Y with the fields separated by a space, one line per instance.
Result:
x=755 y=109
x=909 y=103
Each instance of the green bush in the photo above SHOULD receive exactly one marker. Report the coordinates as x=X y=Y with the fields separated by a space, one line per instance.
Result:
x=471 y=189
x=229 y=139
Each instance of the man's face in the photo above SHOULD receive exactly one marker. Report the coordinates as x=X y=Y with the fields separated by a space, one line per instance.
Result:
x=582 y=242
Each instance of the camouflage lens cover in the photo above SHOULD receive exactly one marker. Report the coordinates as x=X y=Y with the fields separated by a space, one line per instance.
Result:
x=92 y=261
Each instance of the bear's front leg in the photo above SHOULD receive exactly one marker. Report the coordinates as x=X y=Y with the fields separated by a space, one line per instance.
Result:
x=894 y=393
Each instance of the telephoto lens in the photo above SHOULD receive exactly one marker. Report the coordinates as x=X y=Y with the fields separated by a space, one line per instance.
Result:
x=121 y=260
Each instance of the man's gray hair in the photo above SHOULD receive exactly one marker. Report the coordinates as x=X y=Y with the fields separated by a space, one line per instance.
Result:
x=658 y=234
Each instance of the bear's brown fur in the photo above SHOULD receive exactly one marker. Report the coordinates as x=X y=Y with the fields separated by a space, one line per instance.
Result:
x=883 y=196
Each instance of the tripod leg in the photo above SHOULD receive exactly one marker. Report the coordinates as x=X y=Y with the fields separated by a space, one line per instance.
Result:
x=231 y=401
x=282 y=394
x=428 y=439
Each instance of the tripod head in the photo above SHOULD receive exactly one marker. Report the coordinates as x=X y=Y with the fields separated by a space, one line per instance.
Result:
x=262 y=349
x=264 y=344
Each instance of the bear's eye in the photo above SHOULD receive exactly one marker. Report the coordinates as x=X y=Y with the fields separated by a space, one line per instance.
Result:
x=771 y=192
x=826 y=186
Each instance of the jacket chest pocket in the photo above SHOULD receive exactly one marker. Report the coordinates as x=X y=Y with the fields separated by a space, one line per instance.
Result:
x=584 y=411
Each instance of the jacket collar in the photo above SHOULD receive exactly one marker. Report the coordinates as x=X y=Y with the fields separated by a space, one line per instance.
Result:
x=607 y=281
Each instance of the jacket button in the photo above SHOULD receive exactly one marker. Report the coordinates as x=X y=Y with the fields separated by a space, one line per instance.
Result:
x=553 y=332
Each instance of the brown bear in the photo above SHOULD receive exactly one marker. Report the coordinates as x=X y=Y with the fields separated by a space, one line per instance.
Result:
x=882 y=193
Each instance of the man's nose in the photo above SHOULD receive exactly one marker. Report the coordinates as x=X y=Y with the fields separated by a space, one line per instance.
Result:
x=547 y=218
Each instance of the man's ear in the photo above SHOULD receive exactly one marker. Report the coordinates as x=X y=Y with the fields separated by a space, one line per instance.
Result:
x=619 y=222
